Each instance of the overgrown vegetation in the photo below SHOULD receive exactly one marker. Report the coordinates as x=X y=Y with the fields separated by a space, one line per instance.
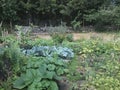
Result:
x=96 y=64
x=97 y=67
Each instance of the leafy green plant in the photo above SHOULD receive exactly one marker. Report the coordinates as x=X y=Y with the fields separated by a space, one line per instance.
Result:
x=69 y=37
x=58 y=33
x=23 y=34
x=74 y=73
x=106 y=82
x=46 y=51
x=4 y=85
x=40 y=73
x=76 y=25
x=97 y=65
x=10 y=39
x=11 y=60
x=43 y=42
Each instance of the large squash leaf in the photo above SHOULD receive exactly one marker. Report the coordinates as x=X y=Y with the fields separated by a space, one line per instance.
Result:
x=53 y=86
x=22 y=82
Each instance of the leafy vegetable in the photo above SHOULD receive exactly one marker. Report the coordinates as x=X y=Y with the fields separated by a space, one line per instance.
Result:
x=46 y=51
x=40 y=73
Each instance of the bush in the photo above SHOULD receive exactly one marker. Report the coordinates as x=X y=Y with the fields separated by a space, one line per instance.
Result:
x=10 y=61
x=106 y=18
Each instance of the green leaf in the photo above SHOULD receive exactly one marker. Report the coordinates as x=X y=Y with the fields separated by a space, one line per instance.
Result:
x=45 y=83
x=51 y=67
x=35 y=86
x=56 y=77
x=19 y=83
x=53 y=86
x=43 y=68
x=60 y=71
x=66 y=70
x=49 y=75
x=59 y=62
x=22 y=82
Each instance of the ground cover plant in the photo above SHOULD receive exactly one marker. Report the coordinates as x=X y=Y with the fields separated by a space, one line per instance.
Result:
x=98 y=65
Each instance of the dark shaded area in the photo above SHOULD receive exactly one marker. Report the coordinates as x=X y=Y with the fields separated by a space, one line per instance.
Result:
x=75 y=13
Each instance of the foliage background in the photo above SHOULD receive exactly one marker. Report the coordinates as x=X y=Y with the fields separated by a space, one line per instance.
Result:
x=74 y=12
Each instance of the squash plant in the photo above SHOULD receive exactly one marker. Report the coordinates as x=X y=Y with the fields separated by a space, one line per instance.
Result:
x=40 y=73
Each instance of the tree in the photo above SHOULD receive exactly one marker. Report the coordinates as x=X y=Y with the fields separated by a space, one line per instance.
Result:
x=8 y=10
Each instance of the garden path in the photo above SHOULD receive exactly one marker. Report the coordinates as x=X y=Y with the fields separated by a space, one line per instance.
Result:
x=77 y=36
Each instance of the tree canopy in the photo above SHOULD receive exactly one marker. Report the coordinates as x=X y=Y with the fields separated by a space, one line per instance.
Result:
x=70 y=11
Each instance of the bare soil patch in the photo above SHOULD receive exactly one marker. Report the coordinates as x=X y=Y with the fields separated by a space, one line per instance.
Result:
x=77 y=36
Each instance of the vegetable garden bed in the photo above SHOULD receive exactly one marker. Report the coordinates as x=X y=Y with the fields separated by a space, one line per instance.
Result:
x=94 y=64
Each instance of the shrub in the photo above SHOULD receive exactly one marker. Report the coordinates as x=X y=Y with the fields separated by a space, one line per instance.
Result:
x=10 y=61
x=106 y=18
